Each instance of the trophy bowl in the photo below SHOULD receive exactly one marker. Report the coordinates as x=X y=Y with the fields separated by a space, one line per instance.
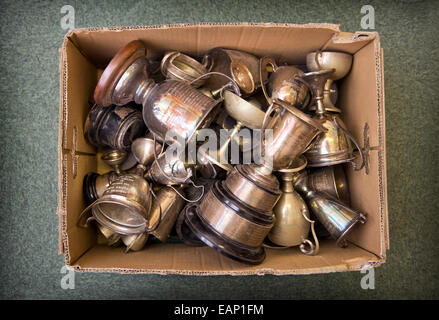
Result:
x=339 y=61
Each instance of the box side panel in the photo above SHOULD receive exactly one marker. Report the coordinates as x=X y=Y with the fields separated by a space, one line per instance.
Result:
x=181 y=259
x=76 y=240
x=361 y=102
x=282 y=41
x=80 y=83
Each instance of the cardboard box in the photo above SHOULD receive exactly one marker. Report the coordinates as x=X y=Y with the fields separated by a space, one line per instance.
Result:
x=85 y=52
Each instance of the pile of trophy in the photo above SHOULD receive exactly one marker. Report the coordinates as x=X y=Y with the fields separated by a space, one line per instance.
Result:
x=148 y=120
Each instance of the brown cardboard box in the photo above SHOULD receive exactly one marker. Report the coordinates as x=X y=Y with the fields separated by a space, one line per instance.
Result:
x=85 y=52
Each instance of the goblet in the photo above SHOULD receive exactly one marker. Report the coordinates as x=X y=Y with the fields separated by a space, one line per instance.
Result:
x=114 y=158
x=334 y=146
x=340 y=61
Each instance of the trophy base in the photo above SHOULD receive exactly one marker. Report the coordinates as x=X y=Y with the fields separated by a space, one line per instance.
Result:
x=210 y=237
x=184 y=233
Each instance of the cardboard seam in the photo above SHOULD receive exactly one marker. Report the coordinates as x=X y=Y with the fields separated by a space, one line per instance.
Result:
x=259 y=272
x=59 y=209
x=331 y=26
x=64 y=212
x=380 y=154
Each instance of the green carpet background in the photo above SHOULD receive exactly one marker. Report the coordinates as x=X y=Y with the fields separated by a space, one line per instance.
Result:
x=30 y=267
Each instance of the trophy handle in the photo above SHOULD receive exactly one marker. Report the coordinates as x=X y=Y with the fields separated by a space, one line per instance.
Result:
x=263 y=63
x=81 y=216
x=350 y=136
x=274 y=107
x=232 y=84
x=186 y=199
x=313 y=248
x=207 y=62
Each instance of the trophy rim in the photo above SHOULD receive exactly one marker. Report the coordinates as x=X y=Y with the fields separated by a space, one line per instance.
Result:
x=115 y=69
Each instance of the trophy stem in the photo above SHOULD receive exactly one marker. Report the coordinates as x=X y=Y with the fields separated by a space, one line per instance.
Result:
x=327 y=94
x=143 y=91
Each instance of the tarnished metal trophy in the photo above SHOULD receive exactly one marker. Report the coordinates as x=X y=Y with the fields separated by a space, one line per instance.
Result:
x=177 y=65
x=171 y=105
x=335 y=216
x=170 y=203
x=293 y=132
x=125 y=205
x=334 y=146
x=285 y=84
x=135 y=242
x=259 y=191
x=112 y=238
x=173 y=171
x=227 y=225
x=292 y=223
x=114 y=158
x=184 y=233
x=94 y=185
x=331 y=180
x=340 y=61
x=329 y=98
x=241 y=66
x=115 y=126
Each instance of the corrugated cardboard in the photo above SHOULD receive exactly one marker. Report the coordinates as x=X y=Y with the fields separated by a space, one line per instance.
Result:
x=85 y=52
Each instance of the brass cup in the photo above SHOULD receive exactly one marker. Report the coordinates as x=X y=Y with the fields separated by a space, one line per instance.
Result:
x=290 y=227
x=125 y=205
x=114 y=158
x=171 y=105
x=334 y=145
x=258 y=191
x=339 y=61
x=94 y=185
x=331 y=180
